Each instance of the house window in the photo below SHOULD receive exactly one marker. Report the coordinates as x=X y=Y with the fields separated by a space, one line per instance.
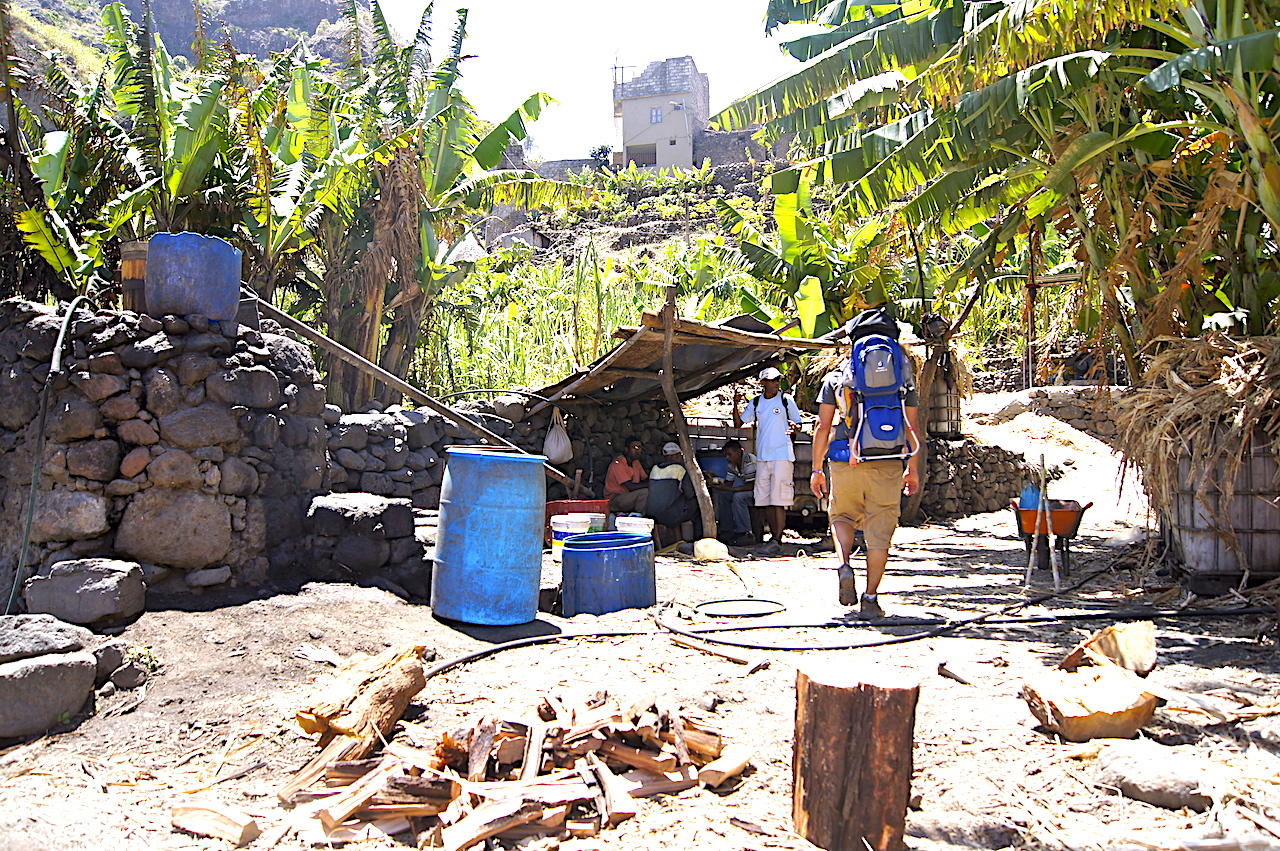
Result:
x=672 y=142
x=655 y=115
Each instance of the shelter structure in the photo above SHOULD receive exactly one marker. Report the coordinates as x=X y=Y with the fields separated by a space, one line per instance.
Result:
x=705 y=356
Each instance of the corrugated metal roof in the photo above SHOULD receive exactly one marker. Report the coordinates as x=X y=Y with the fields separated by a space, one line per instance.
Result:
x=704 y=356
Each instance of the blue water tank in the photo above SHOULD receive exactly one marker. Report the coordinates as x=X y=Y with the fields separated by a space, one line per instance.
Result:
x=192 y=273
x=607 y=572
x=488 y=565
x=713 y=461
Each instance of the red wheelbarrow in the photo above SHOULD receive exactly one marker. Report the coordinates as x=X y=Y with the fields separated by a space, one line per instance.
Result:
x=1062 y=520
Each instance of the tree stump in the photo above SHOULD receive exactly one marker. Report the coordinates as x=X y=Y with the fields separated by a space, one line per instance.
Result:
x=851 y=764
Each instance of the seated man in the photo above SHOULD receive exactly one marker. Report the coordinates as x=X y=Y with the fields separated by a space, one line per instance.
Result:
x=671 y=497
x=626 y=484
x=734 y=496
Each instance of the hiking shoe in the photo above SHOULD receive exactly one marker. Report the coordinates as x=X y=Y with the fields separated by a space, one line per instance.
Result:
x=848 y=586
x=871 y=608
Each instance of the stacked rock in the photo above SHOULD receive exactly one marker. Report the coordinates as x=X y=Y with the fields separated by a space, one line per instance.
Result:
x=361 y=536
x=1087 y=408
x=168 y=442
x=966 y=477
x=1000 y=375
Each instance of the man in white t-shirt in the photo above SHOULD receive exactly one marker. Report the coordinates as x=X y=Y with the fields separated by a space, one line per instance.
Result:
x=774 y=415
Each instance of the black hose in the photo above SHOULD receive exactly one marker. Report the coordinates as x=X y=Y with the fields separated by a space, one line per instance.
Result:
x=55 y=368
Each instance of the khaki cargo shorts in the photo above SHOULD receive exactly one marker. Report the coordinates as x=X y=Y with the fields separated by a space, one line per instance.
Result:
x=868 y=495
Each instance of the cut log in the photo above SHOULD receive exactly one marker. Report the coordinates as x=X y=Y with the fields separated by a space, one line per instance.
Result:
x=489 y=820
x=532 y=762
x=436 y=792
x=1105 y=701
x=851 y=763
x=481 y=748
x=343 y=805
x=1129 y=645
x=645 y=783
x=733 y=761
x=216 y=820
x=657 y=763
x=366 y=700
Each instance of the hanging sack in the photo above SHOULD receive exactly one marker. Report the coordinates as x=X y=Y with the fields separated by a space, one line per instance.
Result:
x=557 y=447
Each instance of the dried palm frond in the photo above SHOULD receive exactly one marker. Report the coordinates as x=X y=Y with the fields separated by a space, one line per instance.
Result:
x=1203 y=404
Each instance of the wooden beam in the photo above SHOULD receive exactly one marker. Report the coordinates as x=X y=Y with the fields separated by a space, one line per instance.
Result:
x=682 y=426
x=598 y=367
x=343 y=353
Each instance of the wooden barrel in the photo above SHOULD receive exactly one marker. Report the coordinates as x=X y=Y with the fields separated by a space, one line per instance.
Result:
x=1253 y=514
x=944 y=411
x=133 y=276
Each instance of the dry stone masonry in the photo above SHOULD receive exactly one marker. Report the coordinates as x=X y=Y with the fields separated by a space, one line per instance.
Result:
x=1088 y=409
x=188 y=448
x=965 y=477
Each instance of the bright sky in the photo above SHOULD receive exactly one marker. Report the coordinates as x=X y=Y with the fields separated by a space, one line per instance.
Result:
x=567 y=48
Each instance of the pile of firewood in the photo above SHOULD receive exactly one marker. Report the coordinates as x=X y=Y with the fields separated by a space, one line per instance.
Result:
x=563 y=769
x=567 y=771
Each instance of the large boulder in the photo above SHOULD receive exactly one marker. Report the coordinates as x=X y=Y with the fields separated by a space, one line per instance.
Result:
x=27 y=636
x=176 y=528
x=252 y=387
x=88 y=590
x=338 y=514
x=98 y=460
x=19 y=400
x=63 y=515
x=72 y=418
x=41 y=692
x=205 y=425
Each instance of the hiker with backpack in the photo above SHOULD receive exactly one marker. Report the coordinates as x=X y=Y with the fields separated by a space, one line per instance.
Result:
x=775 y=416
x=868 y=432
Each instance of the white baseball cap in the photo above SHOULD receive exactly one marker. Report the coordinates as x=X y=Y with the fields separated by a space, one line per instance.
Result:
x=770 y=374
x=670 y=448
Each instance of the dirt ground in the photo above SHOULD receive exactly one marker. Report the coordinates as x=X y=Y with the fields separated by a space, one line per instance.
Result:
x=229 y=682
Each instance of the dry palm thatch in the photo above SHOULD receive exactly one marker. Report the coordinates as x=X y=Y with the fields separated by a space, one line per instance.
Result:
x=1203 y=403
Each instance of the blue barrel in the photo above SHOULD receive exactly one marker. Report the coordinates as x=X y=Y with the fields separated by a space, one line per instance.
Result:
x=488 y=565
x=192 y=273
x=714 y=462
x=607 y=572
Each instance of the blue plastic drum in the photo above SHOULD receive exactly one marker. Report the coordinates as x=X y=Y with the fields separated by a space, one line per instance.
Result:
x=488 y=565
x=607 y=572
x=192 y=273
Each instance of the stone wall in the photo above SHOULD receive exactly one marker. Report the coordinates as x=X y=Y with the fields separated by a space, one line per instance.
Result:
x=1088 y=409
x=190 y=448
x=966 y=477
x=401 y=453
x=723 y=147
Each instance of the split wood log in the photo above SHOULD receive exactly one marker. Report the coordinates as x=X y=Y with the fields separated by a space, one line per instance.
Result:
x=706 y=742
x=366 y=699
x=532 y=762
x=620 y=806
x=852 y=758
x=732 y=762
x=340 y=749
x=481 y=748
x=216 y=820
x=1105 y=701
x=645 y=783
x=436 y=792
x=660 y=764
x=341 y=806
x=489 y=820
x=1129 y=645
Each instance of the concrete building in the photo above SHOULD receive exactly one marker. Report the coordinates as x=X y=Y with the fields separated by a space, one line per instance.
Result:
x=659 y=112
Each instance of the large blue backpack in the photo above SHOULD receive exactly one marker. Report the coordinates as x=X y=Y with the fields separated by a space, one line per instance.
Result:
x=874 y=388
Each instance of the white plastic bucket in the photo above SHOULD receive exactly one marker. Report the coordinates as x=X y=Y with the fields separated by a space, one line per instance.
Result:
x=598 y=523
x=638 y=525
x=564 y=525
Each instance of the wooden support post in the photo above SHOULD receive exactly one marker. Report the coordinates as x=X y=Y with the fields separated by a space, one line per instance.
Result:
x=682 y=426
x=852 y=758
